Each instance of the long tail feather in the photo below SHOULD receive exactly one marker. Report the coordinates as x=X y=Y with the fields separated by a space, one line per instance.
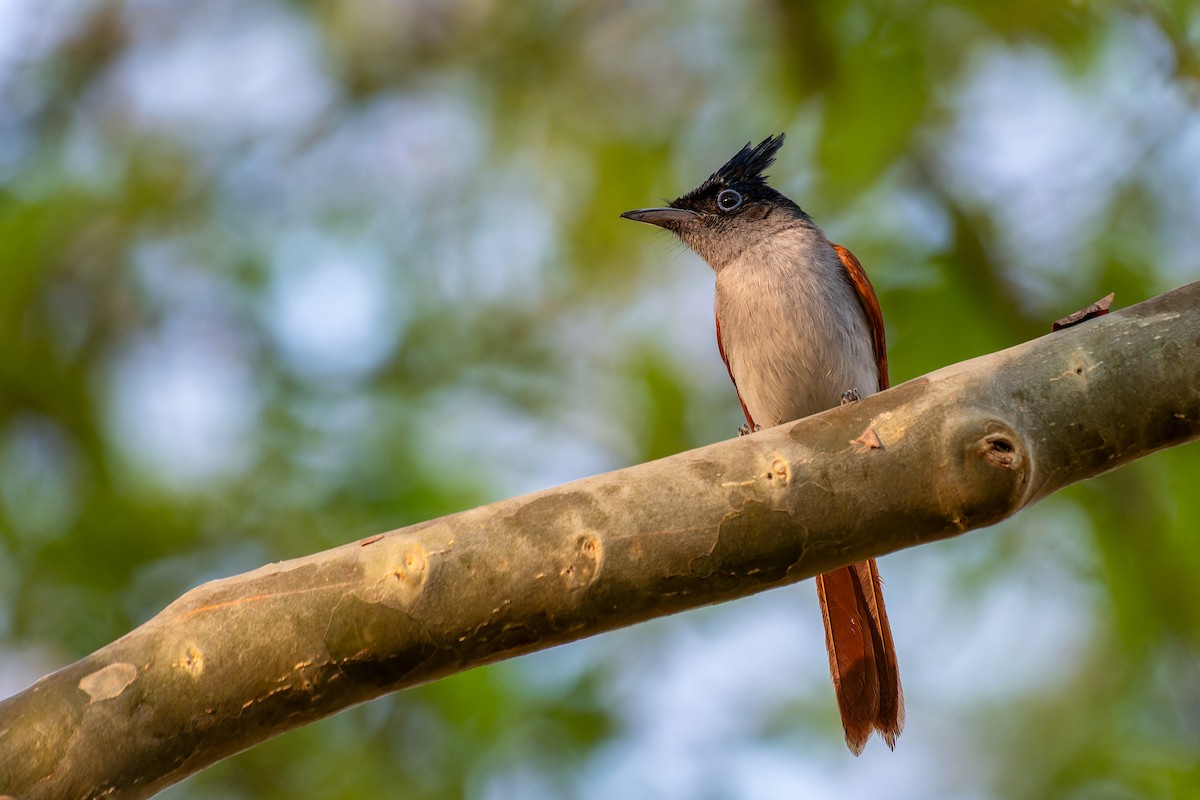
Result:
x=862 y=657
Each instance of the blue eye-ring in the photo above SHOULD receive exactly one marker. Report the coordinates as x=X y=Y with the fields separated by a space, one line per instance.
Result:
x=729 y=199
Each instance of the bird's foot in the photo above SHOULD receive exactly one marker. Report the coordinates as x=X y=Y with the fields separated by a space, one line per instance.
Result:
x=744 y=429
x=850 y=396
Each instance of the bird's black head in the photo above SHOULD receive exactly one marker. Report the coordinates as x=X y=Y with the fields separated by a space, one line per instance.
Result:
x=732 y=209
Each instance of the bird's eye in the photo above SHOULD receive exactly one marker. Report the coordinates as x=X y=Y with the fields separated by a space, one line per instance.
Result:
x=728 y=200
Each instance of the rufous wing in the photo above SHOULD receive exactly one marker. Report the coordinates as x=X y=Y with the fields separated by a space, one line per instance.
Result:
x=870 y=303
x=725 y=358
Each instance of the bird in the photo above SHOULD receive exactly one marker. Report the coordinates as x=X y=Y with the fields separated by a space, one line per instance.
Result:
x=800 y=330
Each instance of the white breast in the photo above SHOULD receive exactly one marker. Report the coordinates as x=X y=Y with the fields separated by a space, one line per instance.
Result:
x=793 y=328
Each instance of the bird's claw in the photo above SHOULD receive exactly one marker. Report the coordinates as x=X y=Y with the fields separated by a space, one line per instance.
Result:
x=850 y=396
x=744 y=429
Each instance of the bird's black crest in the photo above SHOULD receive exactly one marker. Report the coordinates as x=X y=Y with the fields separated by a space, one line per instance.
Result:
x=745 y=172
x=748 y=165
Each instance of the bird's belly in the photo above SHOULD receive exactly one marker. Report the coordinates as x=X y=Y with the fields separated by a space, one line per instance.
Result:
x=794 y=332
x=787 y=379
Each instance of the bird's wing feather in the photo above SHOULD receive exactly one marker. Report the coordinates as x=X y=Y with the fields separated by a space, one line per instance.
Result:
x=725 y=358
x=870 y=303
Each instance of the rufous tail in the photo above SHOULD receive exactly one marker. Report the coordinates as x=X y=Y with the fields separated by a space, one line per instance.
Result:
x=862 y=658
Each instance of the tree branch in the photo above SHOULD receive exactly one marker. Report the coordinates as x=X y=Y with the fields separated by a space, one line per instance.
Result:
x=239 y=660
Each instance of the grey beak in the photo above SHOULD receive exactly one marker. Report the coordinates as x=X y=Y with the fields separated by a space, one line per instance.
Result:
x=662 y=217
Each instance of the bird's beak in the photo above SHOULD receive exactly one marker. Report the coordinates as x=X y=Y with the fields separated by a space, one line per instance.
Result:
x=662 y=217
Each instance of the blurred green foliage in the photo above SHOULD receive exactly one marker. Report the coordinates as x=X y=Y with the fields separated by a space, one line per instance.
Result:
x=274 y=276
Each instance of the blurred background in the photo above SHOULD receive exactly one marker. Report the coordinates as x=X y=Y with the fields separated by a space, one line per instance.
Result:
x=278 y=275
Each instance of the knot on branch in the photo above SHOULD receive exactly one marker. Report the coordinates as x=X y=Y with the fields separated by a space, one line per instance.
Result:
x=985 y=471
x=999 y=449
x=401 y=564
x=586 y=558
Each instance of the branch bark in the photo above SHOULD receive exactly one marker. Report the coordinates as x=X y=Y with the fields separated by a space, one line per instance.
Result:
x=239 y=660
